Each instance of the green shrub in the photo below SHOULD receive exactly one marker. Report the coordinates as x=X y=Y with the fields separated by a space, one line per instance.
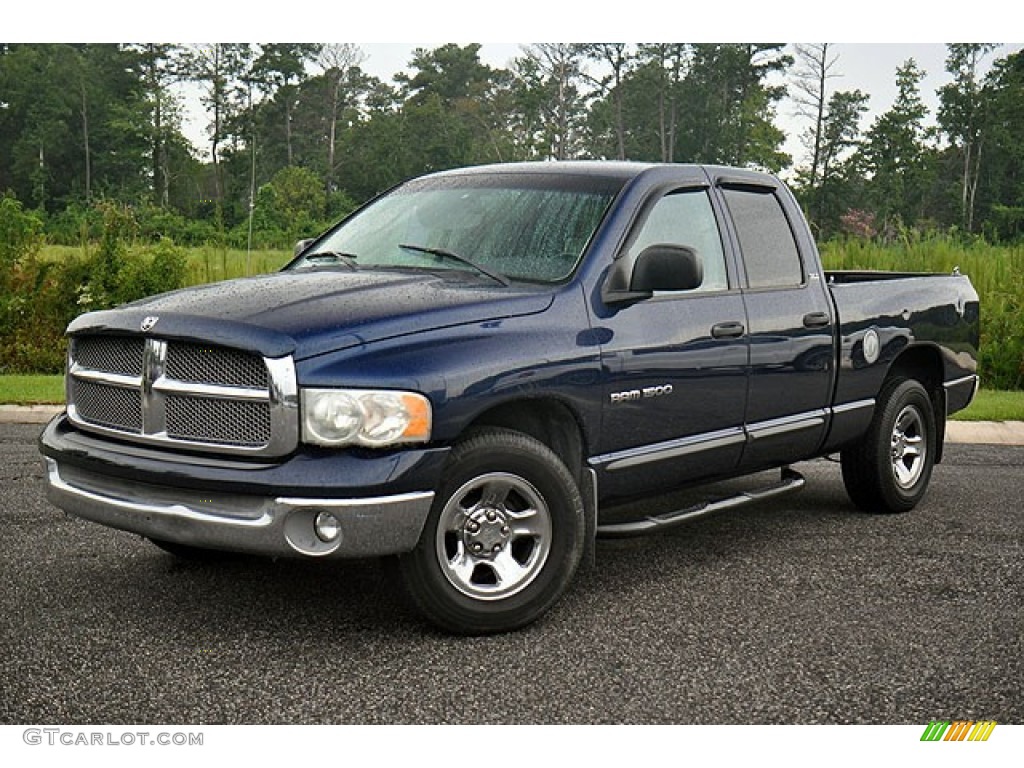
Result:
x=21 y=233
x=291 y=206
x=75 y=225
x=39 y=298
x=155 y=223
x=153 y=269
x=1001 y=360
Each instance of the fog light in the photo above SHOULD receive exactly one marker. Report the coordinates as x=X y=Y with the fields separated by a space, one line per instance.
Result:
x=327 y=527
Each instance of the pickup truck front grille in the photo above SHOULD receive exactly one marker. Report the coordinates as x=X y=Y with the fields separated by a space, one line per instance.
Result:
x=116 y=354
x=230 y=422
x=183 y=394
x=205 y=364
x=107 y=406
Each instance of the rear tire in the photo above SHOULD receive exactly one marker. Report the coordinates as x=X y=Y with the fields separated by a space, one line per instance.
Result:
x=503 y=539
x=889 y=469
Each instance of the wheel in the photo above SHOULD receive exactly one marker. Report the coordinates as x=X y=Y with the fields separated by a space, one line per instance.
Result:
x=193 y=554
x=888 y=470
x=503 y=539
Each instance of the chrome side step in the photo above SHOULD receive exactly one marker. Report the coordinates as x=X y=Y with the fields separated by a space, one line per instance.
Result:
x=789 y=482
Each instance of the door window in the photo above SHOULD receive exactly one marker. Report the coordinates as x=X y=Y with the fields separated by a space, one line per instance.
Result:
x=766 y=240
x=686 y=218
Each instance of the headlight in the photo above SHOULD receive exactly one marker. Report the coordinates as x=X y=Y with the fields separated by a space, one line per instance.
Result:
x=369 y=417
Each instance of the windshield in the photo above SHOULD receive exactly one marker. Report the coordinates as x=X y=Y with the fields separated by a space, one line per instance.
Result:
x=521 y=226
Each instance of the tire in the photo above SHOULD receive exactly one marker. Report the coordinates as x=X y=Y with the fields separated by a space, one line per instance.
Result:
x=503 y=539
x=889 y=469
x=193 y=554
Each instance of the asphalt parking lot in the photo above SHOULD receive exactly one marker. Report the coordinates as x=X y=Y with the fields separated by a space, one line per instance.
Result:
x=797 y=611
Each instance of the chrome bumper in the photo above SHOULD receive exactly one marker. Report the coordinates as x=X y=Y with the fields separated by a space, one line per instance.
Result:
x=274 y=526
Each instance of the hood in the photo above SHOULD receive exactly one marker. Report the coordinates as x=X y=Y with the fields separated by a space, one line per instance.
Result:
x=312 y=312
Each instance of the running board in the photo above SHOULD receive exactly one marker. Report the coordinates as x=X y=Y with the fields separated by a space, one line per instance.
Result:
x=789 y=482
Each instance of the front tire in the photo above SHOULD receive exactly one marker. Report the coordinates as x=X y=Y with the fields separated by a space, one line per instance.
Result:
x=889 y=469
x=503 y=539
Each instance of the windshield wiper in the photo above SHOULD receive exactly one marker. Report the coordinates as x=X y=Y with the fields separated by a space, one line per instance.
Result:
x=348 y=259
x=446 y=254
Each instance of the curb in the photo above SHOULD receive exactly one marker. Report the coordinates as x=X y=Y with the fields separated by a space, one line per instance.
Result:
x=28 y=414
x=985 y=432
x=968 y=432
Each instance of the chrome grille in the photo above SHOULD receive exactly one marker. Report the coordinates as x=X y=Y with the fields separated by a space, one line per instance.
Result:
x=215 y=365
x=114 y=407
x=229 y=422
x=188 y=394
x=116 y=354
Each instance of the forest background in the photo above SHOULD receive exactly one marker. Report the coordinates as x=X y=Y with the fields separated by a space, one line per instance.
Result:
x=105 y=198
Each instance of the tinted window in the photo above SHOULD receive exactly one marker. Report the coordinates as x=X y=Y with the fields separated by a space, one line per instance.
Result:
x=766 y=241
x=686 y=218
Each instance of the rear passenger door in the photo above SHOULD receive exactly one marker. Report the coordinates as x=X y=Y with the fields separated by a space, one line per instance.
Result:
x=789 y=324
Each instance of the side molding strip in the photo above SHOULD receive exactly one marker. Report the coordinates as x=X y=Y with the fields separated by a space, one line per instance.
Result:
x=669 y=450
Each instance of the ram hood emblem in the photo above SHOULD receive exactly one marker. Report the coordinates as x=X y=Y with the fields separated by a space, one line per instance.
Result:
x=148 y=323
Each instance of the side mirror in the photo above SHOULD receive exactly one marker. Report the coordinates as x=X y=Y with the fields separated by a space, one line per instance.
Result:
x=303 y=245
x=666 y=268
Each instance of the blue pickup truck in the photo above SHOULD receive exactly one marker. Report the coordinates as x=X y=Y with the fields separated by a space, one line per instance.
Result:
x=467 y=372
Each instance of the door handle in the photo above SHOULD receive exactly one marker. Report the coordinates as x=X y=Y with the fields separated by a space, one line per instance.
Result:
x=730 y=330
x=816 y=320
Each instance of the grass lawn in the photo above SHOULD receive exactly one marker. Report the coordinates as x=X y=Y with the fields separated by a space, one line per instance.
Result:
x=31 y=389
x=206 y=263
x=989 y=405
x=994 y=405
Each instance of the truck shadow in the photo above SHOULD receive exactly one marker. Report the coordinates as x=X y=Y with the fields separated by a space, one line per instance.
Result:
x=300 y=599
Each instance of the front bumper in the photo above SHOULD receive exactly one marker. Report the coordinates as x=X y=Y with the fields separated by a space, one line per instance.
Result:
x=105 y=486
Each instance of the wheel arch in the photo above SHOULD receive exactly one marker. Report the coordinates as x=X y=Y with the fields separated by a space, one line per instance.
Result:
x=546 y=419
x=923 y=363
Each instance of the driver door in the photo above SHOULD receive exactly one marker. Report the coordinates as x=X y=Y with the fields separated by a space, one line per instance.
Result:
x=676 y=364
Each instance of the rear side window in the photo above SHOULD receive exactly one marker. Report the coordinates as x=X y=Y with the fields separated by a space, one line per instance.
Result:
x=766 y=240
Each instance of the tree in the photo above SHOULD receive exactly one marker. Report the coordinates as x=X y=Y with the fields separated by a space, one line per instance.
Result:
x=449 y=73
x=292 y=203
x=37 y=116
x=617 y=60
x=732 y=105
x=550 y=73
x=219 y=67
x=667 y=65
x=449 y=112
x=70 y=122
x=372 y=154
x=838 y=189
x=960 y=114
x=277 y=69
x=640 y=112
x=816 y=67
x=840 y=128
x=344 y=81
x=160 y=69
x=1001 y=193
x=895 y=152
